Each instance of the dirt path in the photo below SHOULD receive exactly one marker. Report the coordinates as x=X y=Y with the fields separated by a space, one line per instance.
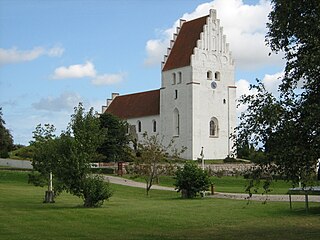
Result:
x=239 y=196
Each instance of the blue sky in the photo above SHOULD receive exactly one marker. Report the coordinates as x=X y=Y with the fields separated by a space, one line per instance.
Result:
x=54 y=54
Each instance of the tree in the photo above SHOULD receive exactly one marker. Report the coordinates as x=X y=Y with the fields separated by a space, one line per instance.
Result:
x=154 y=158
x=6 y=140
x=44 y=159
x=191 y=180
x=115 y=145
x=288 y=127
x=68 y=157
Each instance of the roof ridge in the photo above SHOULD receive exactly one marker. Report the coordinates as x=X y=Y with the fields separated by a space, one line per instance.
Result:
x=129 y=94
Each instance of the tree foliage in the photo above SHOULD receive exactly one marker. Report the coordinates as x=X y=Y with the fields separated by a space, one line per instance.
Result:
x=68 y=157
x=191 y=180
x=115 y=145
x=6 y=139
x=154 y=158
x=288 y=127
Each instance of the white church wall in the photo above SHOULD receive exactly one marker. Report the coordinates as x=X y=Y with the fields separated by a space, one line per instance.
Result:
x=146 y=125
x=177 y=95
x=209 y=103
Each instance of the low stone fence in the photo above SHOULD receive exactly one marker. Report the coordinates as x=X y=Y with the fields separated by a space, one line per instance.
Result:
x=23 y=164
x=228 y=169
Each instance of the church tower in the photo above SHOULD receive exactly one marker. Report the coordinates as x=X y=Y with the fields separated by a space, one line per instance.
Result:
x=198 y=93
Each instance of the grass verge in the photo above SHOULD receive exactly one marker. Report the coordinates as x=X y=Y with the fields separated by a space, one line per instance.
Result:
x=226 y=184
x=130 y=214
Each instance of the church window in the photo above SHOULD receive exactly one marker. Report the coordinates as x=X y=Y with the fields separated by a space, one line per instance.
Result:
x=224 y=101
x=174 y=78
x=179 y=77
x=176 y=122
x=154 y=126
x=217 y=76
x=209 y=75
x=128 y=129
x=213 y=125
x=139 y=126
x=175 y=94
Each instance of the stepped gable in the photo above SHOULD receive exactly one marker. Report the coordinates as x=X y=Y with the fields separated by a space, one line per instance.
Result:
x=185 y=42
x=136 y=105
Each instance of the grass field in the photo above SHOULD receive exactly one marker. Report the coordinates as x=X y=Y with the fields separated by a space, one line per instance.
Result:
x=226 y=184
x=131 y=215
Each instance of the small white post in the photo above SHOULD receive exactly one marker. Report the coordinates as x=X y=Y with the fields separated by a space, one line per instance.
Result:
x=202 y=158
x=202 y=163
x=50 y=181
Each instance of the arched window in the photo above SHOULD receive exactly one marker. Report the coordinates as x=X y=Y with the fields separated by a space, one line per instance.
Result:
x=209 y=75
x=179 y=77
x=176 y=122
x=175 y=94
x=139 y=126
x=174 y=78
x=213 y=127
x=217 y=76
x=154 y=125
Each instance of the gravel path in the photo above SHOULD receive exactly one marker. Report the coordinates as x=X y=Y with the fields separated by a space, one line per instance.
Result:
x=127 y=182
x=239 y=196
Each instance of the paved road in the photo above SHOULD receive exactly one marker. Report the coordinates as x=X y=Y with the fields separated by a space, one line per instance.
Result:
x=239 y=196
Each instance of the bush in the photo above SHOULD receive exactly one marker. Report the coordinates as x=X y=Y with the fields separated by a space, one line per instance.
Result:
x=95 y=191
x=23 y=152
x=191 y=180
x=4 y=154
x=230 y=160
x=103 y=170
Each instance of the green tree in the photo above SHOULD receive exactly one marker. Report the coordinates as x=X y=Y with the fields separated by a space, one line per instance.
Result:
x=6 y=140
x=154 y=158
x=191 y=180
x=288 y=127
x=115 y=144
x=68 y=157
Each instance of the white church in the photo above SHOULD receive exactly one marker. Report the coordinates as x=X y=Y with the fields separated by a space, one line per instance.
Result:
x=196 y=104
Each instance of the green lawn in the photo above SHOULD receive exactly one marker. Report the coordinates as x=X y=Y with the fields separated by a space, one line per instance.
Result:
x=131 y=215
x=225 y=184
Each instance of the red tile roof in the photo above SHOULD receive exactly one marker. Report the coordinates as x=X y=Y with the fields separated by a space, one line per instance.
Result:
x=185 y=43
x=136 y=105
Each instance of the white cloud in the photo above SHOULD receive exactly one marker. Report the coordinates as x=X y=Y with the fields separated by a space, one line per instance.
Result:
x=270 y=81
x=75 y=71
x=244 y=26
x=108 y=79
x=66 y=101
x=13 y=55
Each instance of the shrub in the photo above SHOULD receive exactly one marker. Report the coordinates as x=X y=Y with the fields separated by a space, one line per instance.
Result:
x=191 y=180
x=95 y=191
x=4 y=153
x=103 y=170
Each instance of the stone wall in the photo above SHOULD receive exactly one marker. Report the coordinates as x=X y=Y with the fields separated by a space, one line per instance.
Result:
x=24 y=164
x=228 y=169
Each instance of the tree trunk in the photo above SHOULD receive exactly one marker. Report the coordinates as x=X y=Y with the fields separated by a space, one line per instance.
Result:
x=49 y=197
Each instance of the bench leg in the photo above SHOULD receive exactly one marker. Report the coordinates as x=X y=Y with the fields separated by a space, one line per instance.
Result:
x=290 y=201
x=307 y=203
